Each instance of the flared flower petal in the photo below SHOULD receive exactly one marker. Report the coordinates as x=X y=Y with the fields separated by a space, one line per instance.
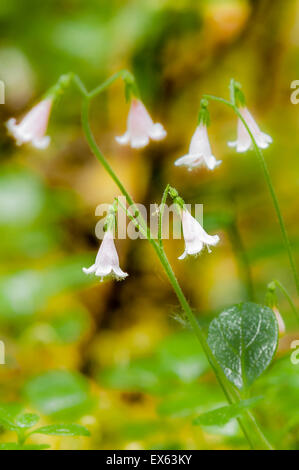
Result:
x=243 y=142
x=107 y=261
x=140 y=127
x=200 y=153
x=195 y=236
x=33 y=127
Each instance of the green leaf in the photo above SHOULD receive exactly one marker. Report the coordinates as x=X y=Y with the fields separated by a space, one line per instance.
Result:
x=7 y=418
x=70 y=326
x=221 y=416
x=190 y=400
x=16 y=446
x=244 y=339
x=181 y=354
x=140 y=375
x=59 y=393
x=24 y=292
x=63 y=430
x=27 y=420
x=21 y=197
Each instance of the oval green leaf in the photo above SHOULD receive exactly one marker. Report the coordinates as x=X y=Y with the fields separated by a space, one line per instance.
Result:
x=27 y=420
x=62 y=394
x=221 y=416
x=63 y=430
x=244 y=339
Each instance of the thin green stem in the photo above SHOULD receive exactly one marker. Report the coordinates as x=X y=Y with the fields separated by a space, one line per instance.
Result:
x=288 y=297
x=259 y=433
x=161 y=212
x=267 y=176
x=80 y=85
x=132 y=218
x=92 y=143
x=232 y=92
x=124 y=74
x=22 y=436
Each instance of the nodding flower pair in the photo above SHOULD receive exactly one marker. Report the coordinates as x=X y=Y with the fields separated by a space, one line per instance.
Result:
x=140 y=130
x=107 y=261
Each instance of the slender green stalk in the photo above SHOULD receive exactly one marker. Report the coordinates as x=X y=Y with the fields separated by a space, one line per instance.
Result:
x=21 y=436
x=260 y=439
x=267 y=176
x=288 y=297
x=79 y=84
x=125 y=74
x=161 y=211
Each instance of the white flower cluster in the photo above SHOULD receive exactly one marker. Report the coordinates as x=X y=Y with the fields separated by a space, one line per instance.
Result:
x=140 y=129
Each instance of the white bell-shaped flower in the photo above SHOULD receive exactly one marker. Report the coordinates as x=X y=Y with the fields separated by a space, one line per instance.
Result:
x=195 y=236
x=107 y=261
x=140 y=127
x=33 y=127
x=243 y=142
x=200 y=153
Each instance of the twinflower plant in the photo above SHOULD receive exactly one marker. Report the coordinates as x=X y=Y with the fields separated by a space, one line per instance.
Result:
x=241 y=341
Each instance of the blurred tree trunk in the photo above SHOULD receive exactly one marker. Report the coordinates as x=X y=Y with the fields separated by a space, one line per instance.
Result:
x=266 y=34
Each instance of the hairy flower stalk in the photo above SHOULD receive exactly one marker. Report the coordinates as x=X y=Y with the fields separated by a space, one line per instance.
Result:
x=140 y=127
x=33 y=127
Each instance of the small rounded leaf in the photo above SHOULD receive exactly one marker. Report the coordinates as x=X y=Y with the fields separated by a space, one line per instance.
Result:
x=221 y=416
x=244 y=339
x=63 y=430
x=27 y=420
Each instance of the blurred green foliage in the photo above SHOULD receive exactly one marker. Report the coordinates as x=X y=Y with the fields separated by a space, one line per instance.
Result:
x=110 y=356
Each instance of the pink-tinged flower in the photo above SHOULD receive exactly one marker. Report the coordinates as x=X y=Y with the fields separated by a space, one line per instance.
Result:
x=140 y=127
x=195 y=236
x=281 y=325
x=200 y=153
x=243 y=142
x=33 y=126
x=107 y=261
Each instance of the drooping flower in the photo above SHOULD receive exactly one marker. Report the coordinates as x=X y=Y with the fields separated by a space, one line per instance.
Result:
x=200 y=153
x=140 y=127
x=243 y=142
x=33 y=127
x=281 y=325
x=107 y=261
x=195 y=236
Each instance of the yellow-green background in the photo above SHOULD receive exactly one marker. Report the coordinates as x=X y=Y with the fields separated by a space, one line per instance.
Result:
x=112 y=356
